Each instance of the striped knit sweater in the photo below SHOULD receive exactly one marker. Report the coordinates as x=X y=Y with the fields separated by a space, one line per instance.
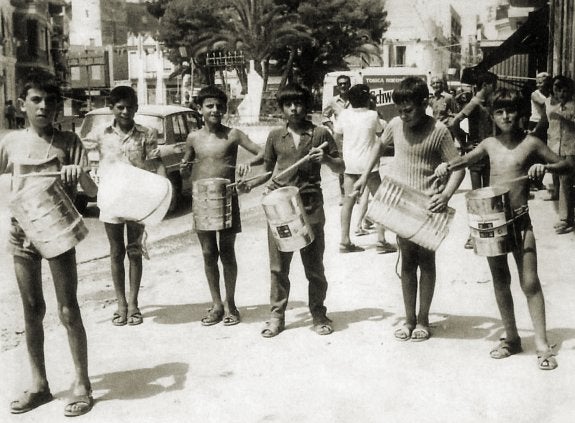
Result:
x=418 y=153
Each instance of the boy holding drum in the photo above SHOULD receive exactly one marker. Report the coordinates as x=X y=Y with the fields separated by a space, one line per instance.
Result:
x=285 y=146
x=513 y=156
x=212 y=153
x=125 y=140
x=421 y=143
x=42 y=148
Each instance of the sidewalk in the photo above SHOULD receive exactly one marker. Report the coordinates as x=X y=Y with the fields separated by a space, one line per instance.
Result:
x=171 y=369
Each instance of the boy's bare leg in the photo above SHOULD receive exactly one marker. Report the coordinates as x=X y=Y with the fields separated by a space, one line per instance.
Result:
x=347 y=208
x=134 y=233
x=373 y=183
x=29 y=278
x=210 y=252
x=362 y=206
x=115 y=233
x=409 y=265
x=426 y=284
x=230 y=268
x=502 y=288
x=64 y=273
x=529 y=280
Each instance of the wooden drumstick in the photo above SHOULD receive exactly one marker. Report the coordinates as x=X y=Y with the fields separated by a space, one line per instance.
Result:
x=233 y=184
x=297 y=164
x=42 y=174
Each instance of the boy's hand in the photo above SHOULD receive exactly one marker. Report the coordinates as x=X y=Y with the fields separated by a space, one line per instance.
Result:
x=442 y=170
x=438 y=203
x=537 y=171
x=316 y=154
x=243 y=187
x=70 y=174
x=243 y=169
x=358 y=187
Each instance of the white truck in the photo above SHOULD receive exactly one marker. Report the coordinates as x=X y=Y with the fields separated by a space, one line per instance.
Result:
x=381 y=81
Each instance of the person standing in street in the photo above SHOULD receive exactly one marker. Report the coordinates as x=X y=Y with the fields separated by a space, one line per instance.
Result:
x=284 y=147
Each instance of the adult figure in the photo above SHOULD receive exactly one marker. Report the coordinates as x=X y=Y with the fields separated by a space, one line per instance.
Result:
x=332 y=110
x=480 y=127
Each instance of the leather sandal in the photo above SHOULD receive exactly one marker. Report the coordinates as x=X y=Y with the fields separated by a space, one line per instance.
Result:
x=273 y=327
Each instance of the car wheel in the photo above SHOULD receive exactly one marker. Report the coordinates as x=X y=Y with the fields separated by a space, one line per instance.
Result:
x=176 y=192
x=81 y=204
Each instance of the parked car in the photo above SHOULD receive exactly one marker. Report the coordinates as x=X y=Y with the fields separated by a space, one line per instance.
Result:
x=173 y=124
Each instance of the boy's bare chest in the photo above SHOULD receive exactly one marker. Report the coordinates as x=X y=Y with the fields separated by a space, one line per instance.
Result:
x=213 y=147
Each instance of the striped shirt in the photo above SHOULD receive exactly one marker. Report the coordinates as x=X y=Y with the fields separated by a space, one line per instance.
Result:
x=417 y=154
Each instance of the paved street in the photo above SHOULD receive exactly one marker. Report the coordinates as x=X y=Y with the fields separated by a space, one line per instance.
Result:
x=171 y=369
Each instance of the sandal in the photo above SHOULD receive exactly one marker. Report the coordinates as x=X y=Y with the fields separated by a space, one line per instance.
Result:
x=350 y=248
x=361 y=232
x=232 y=318
x=403 y=333
x=546 y=359
x=135 y=318
x=506 y=348
x=29 y=401
x=562 y=227
x=420 y=333
x=384 y=247
x=322 y=326
x=213 y=317
x=79 y=405
x=120 y=318
x=273 y=327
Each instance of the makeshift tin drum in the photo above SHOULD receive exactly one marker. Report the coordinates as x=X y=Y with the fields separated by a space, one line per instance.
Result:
x=212 y=204
x=131 y=193
x=489 y=213
x=403 y=210
x=287 y=219
x=48 y=217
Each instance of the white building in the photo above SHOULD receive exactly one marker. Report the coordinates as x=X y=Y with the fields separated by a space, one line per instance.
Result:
x=7 y=57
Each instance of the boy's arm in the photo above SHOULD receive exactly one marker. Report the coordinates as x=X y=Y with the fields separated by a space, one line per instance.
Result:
x=74 y=173
x=386 y=140
x=270 y=159
x=186 y=163
x=553 y=162
x=245 y=141
x=329 y=155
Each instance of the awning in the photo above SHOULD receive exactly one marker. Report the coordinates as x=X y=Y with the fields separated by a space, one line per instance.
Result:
x=528 y=38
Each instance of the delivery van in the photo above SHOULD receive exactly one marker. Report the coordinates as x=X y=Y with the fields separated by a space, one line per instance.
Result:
x=381 y=81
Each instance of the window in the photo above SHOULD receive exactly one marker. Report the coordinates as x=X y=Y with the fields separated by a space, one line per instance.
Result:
x=75 y=73
x=400 y=56
x=96 y=72
x=179 y=126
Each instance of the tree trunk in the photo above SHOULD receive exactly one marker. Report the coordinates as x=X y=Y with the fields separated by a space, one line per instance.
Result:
x=288 y=68
x=265 y=73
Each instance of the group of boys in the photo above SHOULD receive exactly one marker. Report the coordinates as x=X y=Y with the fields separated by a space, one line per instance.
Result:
x=424 y=154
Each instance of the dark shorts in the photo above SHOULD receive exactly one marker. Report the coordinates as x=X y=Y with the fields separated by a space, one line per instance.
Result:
x=521 y=224
x=19 y=245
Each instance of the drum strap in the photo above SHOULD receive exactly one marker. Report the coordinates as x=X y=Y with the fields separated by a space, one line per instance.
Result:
x=517 y=214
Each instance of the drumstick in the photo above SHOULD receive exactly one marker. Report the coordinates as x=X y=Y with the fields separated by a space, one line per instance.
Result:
x=297 y=164
x=233 y=184
x=44 y=174
x=511 y=181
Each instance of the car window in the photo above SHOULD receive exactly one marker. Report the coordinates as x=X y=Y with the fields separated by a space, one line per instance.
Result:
x=152 y=122
x=179 y=126
x=192 y=121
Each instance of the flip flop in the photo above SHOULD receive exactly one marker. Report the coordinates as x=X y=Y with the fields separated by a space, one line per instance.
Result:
x=213 y=317
x=420 y=333
x=403 y=333
x=120 y=318
x=546 y=359
x=79 y=405
x=562 y=227
x=29 y=401
x=322 y=326
x=272 y=328
x=232 y=318
x=135 y=318
x=506 y=348
x=350 y=248
x=361 y=232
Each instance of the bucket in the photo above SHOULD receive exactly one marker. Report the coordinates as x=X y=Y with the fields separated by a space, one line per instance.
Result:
x=48 y=217
x=287 y=219
x=489 y=212
x=212 y=204
x=130 y=193
x=403 y=210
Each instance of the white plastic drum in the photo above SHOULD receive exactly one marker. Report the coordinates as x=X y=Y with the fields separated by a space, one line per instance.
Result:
x=287 y=219
x=48 y=217
x=131 y=193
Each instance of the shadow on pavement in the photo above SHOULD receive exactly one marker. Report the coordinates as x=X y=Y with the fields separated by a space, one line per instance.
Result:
x=140 y=383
